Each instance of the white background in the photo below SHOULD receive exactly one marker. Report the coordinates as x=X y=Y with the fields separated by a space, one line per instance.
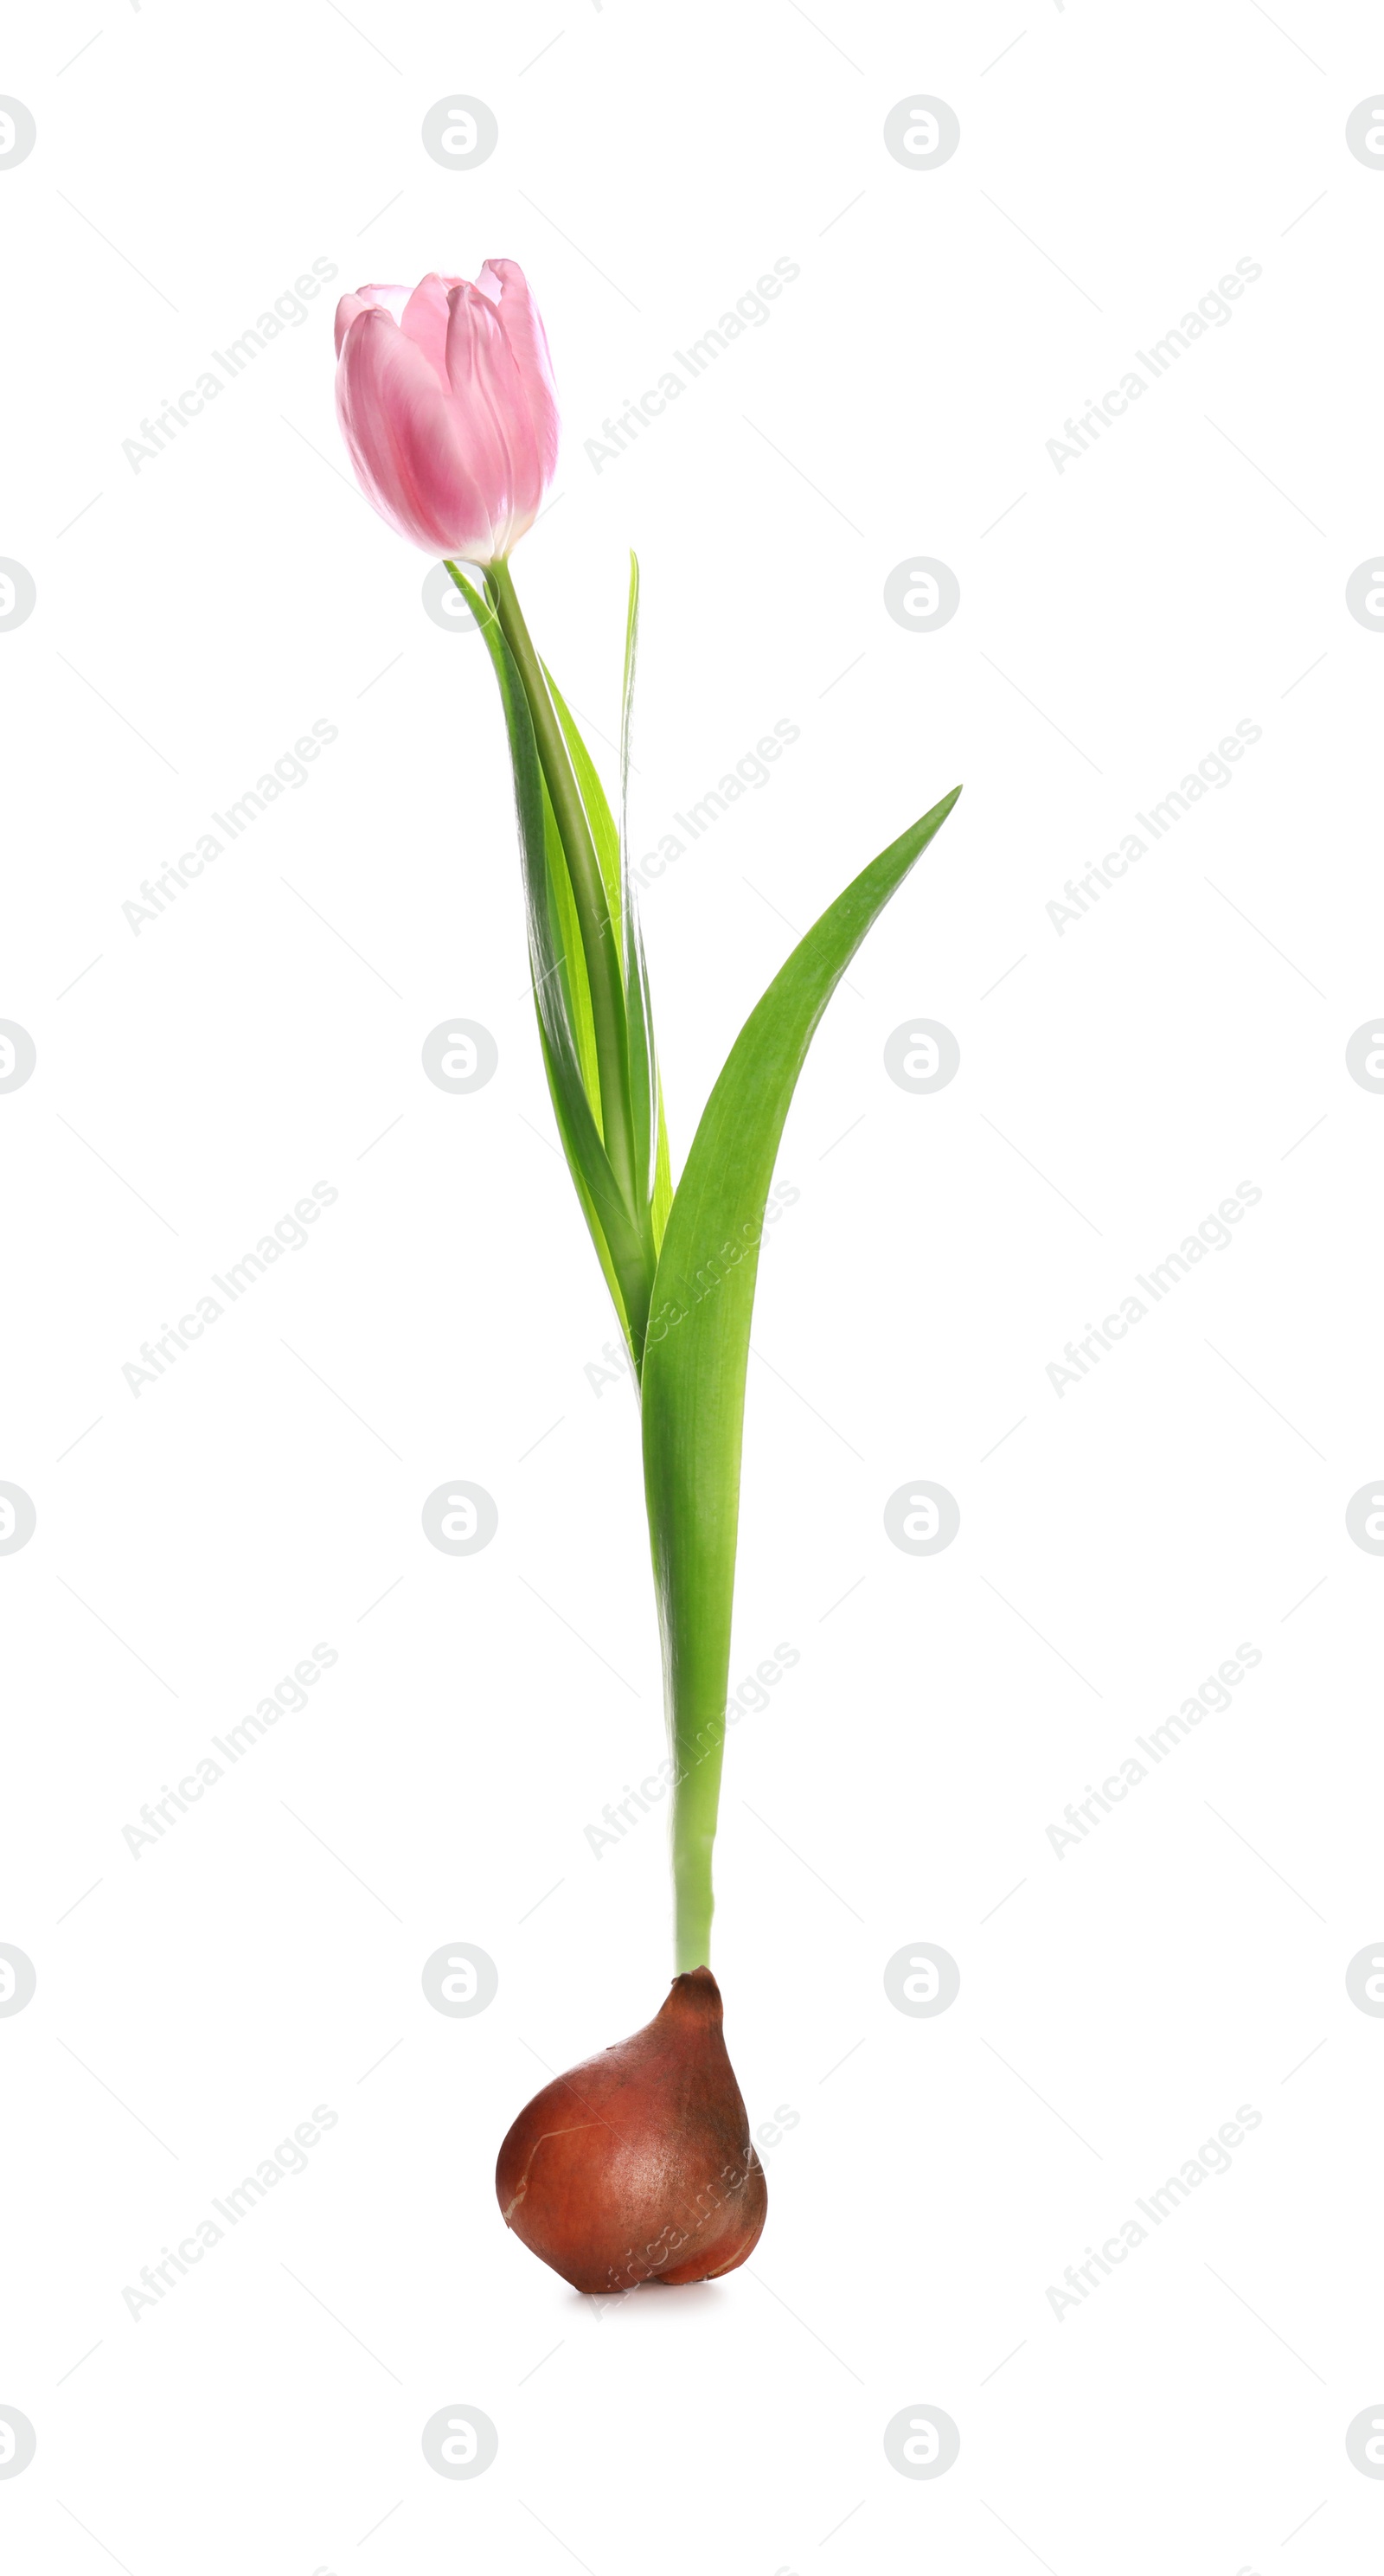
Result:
x=1117 y=1542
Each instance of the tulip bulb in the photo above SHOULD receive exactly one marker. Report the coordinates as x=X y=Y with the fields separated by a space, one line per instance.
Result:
x=638 y=2165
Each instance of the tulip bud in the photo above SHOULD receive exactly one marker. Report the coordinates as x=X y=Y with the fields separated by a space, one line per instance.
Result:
x=447 y=405
x=637 y=2166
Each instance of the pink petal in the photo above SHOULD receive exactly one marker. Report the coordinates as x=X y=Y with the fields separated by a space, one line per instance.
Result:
x=391 y=299
x=346 y=311
x=491 y=415
x=402 y=431
x=367 y=298
x=503 y=280
x=425 y=319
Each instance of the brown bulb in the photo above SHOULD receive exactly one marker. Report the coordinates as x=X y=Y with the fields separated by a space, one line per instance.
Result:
x=637 y=2165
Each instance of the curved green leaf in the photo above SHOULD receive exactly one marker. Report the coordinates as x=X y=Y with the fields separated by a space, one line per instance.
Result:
x=561 y=996
x=646 y=1090
x=605 y=838
x=697 y=1351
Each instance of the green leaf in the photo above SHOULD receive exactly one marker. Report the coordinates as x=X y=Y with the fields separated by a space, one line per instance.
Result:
x=646 y=1091
x=556 y=980
x=612 y=854
x=572 y=975
x=663 y=1180
x=697 y=1353
x=613 y=858
x=593 y=796
x=572 y=1150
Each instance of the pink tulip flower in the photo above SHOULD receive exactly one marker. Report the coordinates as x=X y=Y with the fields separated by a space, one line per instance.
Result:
x=447 y=405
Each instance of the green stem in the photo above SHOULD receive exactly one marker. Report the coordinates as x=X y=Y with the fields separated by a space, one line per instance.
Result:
x=696 y=1798
x=600 y=945
x=692 y=1491
x=696 y=1701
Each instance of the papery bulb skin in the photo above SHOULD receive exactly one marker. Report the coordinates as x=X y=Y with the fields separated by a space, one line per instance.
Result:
x=638 y=2164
